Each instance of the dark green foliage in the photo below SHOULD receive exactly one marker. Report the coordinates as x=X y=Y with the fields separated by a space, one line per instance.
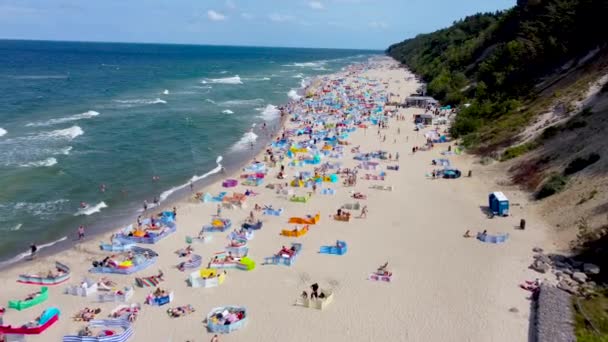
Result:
x=516 y=151
x=579 y=164
x=499 y=57
x=553 y=185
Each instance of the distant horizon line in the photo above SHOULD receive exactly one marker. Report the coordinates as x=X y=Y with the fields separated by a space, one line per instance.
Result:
x=186 y=44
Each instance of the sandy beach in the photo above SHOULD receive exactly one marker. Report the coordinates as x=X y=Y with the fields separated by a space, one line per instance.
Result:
x=444 y=287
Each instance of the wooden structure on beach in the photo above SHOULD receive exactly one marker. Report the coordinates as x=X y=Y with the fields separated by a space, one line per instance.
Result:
x=419 y=101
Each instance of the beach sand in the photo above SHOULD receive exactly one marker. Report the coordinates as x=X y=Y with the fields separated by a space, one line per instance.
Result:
x=445 y=287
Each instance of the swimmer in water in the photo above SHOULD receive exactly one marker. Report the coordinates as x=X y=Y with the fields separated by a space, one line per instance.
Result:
x=102 y=188
x=83 y=205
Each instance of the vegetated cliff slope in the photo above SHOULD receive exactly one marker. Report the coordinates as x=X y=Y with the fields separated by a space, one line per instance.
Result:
x=494 y=61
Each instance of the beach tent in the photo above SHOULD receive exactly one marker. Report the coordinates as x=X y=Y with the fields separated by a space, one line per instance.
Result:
x=499 y=203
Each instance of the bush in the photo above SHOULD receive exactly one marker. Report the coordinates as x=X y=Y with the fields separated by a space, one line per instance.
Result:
x=552 y=186
x=516 y=151
x=550 y=132
x=579 y=164
x=575 y=124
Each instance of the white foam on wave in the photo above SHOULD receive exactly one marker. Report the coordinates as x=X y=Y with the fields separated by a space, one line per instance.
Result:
x=270 y=113
x=90 y=210
x=293 y=94
x=166 y=92
x=67 y=133
x=40 y=77
x=257 y=79
x=86 y=115
x=226 y=80
x=41 y=163
x=16 y=227
x=237 y=103
x=194 y=178
x=245 y=142
x=141 y=101
x=41 y=210
x=227 y=111
x=65 y=151
x=26 y=254
x=300 y=75
x=210 y=101
x=2 y=132
x=316 y=64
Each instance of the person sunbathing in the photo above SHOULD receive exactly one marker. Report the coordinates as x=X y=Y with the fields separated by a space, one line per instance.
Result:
x=229 y=257
x=358 y=195
x=383 y=269
x=467 y=234
x=32 y=295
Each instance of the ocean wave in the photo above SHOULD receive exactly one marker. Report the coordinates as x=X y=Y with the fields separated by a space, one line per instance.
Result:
x=195 y=178
x=16 y=227
x=65 y=151
x=210 y=101
x=316 y=64
x=2 y=132
x=41 y=163
x=67 y=133
x=238 y=103
x=41 y=210
x=257 y=79
x=300 y=75
x=270 y=113
x=293 y=94
x=245 y=142
x=26 y=254
x=166 y=92
x=86 y=115
x=141 y=102
x=227 y=111
x=223 y=72
x=226 y=80
x=90 y=210
x=40 y=77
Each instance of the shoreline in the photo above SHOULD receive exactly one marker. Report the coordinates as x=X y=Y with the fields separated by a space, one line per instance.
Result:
x=175 y=198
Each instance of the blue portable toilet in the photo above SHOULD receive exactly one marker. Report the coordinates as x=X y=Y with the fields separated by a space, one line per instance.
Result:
x=499 y=203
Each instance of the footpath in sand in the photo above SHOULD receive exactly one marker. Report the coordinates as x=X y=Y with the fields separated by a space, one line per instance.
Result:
x=444 y=287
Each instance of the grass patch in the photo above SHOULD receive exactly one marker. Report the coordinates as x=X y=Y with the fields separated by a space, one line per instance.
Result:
x=555 y=184
x=596 y=310
x=516 y=151
x=588 y=197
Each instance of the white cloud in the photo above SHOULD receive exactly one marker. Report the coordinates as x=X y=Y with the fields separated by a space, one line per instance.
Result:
x=280 y=18
x=378 y=25
x=215 y=16
x=316 y=5
x=247 y=15
x=230 y=4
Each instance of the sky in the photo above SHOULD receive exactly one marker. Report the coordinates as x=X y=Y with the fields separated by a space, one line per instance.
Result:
x=358 y=24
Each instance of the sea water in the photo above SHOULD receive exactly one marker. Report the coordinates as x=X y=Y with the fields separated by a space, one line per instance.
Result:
x=111 y=125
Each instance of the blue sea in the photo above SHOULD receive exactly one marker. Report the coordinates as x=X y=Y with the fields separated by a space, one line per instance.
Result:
x=110 y=125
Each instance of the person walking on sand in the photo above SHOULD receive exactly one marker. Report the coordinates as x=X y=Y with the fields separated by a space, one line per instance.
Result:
x=215 y=339
x=174 y=213
x=363 y=212
x=219 y=211
x=191 y=187
x=33 y=250
x=145 y=205
x=81 y=232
